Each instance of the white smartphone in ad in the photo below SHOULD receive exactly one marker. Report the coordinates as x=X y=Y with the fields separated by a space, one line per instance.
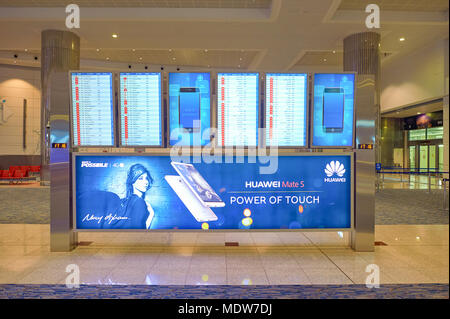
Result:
x=200 y=212
x=198 y=185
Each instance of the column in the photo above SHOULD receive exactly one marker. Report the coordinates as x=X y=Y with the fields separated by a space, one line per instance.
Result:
x=60 y=53
x=361 y=55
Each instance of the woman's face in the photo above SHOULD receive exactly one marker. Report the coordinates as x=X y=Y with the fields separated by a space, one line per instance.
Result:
x=141 y=184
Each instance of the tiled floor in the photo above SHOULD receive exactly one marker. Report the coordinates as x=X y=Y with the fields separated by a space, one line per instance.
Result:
x=414 y=254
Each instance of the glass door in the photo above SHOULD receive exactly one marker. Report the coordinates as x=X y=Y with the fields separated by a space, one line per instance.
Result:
x=412 y=157
x=441 y=158
x=432 y=153
x=423 y=158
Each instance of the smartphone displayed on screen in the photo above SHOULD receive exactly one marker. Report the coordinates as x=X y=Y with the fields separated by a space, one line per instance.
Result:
x=198 y=185
x=333 y=109
x=189 y=109
x=200 y=212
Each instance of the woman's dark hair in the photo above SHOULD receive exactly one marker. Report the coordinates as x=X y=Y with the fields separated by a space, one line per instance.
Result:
x=133 y=174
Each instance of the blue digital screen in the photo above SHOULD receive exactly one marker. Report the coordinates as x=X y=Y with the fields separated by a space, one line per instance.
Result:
x=189 y=105
x=189 y=108
x=333 y=110
x=146 y=192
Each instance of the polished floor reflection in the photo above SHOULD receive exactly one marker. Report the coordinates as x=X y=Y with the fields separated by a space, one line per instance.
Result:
x=406 y=181
x=412 y=254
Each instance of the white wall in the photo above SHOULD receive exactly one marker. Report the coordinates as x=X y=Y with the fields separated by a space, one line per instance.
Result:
x=17 y=84
x=416 y=77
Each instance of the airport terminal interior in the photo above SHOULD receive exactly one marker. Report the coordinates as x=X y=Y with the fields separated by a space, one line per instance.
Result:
x=190 y=149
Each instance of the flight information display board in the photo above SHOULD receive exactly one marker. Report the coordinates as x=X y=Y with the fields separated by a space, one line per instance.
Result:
x=237 y=109
x=189 y=108
x=286 y=109
x=140 y=109
x=333 y=110
x=92 y=109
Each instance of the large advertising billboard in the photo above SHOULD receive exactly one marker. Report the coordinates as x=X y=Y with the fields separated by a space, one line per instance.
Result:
x=159 y=192
x=333 y=110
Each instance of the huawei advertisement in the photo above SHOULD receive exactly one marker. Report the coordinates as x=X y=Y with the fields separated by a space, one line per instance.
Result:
x=160 y=192
x=333 y=110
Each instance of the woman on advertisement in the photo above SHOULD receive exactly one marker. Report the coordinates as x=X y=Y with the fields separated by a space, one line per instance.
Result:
x=139 y=213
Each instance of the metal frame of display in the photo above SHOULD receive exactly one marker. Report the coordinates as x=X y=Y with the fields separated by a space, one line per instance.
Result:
x=300 y=154
x=362 y=172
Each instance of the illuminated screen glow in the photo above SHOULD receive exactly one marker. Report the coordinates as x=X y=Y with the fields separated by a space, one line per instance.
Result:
x=237 y=109
x=189 y=108
x=119 y=191
x=140 y=109
x=333 y=110
x=286 y=106
x=92 y=109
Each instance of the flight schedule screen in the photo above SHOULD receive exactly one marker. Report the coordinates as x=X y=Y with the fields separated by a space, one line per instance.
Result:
x=286 y=107
x=140 y=109
x=237 y=109
x=92 y=109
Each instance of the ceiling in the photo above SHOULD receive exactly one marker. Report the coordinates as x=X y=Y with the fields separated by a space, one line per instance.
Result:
x=426 y=107
x=264 y=35
x=397 y=5
x=141 y=3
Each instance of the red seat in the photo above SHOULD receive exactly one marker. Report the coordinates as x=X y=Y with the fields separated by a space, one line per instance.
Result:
x=4 y=173
x=26 y=169
x=12 y=169
x=19 y=173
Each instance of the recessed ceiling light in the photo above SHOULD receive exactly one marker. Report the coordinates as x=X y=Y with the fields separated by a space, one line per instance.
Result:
x=206 y=50
x=174 y=58
x=170 y=50
x=240 y=59
x=419 y=113
x=134 y=50
x=324 y=60
x=334 y=51
x=107 y=58
x=402 y=39
x=239 y=66
x=26 y=50
x=140 y=58
x=115 y=35
x=98 y=50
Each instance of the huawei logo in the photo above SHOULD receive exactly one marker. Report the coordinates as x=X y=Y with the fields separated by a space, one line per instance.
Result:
x=334 y=167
